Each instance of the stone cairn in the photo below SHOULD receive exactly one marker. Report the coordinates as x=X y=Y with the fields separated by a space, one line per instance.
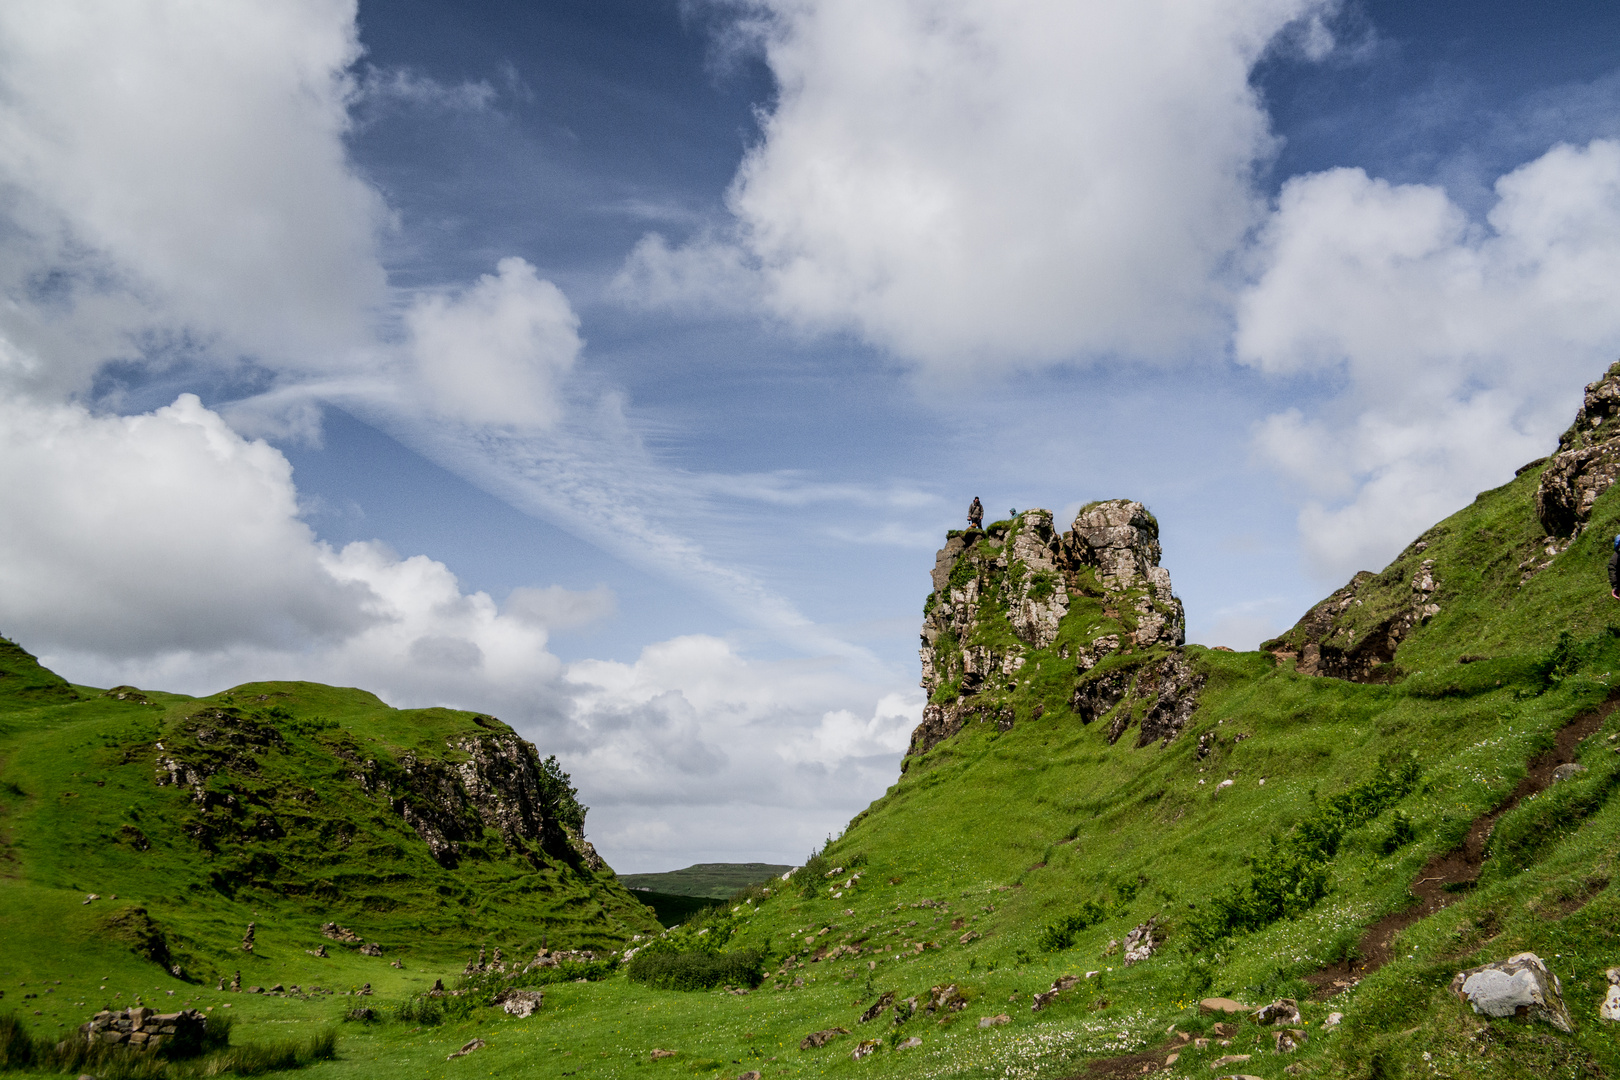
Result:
x=142 y=1029
x=247 y=939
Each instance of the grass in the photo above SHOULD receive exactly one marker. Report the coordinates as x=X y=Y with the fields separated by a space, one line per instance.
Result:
x=983 y=845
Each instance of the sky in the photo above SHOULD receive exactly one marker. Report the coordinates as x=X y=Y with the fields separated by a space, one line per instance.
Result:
x=616 y=367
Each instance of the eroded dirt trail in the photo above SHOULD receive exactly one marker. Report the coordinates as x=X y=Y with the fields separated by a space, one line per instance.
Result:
x=1435 y=883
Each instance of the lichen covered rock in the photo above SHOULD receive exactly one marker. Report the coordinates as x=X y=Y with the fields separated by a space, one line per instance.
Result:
x=1093 y=600
x=1519 y=986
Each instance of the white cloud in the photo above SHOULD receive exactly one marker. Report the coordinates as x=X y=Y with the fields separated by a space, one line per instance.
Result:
x=738 y=755
x=989 y=182
x=137 y=536
x=1461 y=346
x=177 y=171
x=557 y=608
x=494 y=353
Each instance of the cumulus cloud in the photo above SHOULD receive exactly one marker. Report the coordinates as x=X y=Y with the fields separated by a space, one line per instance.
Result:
x=137 y=536
x=1460 y=345
x=493 y=353
x=987 y=182
x=176 y=173
x=731 y=751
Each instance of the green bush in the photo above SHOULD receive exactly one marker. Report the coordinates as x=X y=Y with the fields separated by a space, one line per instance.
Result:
x=697 y=969
x=1060 y=935
x=1401 y=833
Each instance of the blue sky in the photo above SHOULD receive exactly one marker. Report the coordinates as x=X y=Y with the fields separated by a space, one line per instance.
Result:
x=616 y=367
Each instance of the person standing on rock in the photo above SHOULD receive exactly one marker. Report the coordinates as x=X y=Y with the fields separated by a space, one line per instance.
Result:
x=1614 y=569
x=976 y=521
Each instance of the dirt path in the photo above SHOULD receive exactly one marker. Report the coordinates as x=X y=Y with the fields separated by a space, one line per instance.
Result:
x=1458 y=866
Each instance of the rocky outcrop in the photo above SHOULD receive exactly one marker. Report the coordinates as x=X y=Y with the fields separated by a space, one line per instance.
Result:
x=1587 y=462
x=1355 y=632
x=1093 y=600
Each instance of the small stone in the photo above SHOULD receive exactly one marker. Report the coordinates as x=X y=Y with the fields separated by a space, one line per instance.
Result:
x=1286 y=1042
x=1334 y=1020
x=1281 y=1011
x=1220 y=1005
x=864 y=1049
x=1567 y=772
x=657 y=1053
x=910 y=1044
x=476 y=1044
x=994 y=1021
x=1229 y=1059
x=1041 y=1001
x=1224 y=1031
x=821 y=1038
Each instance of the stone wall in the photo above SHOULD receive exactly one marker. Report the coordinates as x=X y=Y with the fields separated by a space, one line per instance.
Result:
x=145 y=1029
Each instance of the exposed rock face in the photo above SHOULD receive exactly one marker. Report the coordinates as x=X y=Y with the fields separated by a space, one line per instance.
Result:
x=1355 y=632
x=1095 y=596
x=1519 y=986
x=1587 y=462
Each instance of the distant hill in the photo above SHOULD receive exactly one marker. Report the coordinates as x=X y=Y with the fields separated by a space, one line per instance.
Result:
x=716 y=881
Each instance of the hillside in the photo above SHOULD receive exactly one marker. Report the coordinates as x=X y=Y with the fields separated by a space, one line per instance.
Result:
x=1091 y=811
x=429 y=832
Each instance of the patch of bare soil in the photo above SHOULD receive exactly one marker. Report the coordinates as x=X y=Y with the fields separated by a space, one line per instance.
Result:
x=1132 y=1065
x=1436 y=884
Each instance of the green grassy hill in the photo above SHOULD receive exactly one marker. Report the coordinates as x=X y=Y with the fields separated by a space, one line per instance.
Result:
x=289 y=805
x=715 y=881
x=1347 y=817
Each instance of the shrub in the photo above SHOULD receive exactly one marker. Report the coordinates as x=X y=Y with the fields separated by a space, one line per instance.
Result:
x=697 y=969
x=1401 y=833
x=1061 y=934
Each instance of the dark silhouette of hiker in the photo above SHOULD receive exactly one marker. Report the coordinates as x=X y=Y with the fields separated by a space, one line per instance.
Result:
x=976 y=520
x=1614 y=570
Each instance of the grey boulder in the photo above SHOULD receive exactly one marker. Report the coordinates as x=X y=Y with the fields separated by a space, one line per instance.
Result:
x=1519 y=986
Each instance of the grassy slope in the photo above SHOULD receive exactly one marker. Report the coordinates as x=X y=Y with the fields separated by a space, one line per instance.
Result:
x=713 y=880
x=1007 y=831
x=80 y=812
